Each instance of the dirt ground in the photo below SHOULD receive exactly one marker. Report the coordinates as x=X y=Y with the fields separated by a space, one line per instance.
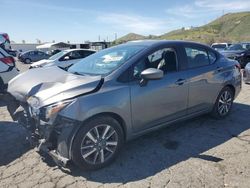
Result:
x=202 y=152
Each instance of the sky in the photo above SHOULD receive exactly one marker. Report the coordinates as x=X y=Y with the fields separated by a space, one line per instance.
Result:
x=82 y=20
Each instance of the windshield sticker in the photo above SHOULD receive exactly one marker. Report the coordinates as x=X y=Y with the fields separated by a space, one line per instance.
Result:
x=109 y=59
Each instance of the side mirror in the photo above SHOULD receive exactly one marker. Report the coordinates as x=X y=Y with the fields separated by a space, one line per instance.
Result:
x=151 y=74
x=66 y=58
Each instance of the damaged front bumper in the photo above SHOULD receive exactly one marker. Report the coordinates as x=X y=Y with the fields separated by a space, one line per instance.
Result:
x=53 y=138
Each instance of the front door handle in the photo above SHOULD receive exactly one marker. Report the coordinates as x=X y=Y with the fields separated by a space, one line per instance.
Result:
x=180 y=82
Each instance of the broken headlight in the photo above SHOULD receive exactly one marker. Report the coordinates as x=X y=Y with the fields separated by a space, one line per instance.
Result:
x=33 y=102
x=50 y=112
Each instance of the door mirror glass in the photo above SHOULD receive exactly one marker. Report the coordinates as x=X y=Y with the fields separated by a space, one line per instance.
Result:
x=152 y=74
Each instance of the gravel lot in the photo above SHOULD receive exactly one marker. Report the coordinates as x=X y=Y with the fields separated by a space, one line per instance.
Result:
x=202 y=152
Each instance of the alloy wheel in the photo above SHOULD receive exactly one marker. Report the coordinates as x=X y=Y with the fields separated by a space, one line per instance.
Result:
x=99 y=144
x=225 y=103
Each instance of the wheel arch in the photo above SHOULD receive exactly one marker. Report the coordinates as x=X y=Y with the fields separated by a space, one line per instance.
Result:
x=110 y=114
x=116 y=116
x=231 y=87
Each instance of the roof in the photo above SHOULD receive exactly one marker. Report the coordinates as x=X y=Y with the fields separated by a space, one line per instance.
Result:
x=155 y=42
x=54 y=45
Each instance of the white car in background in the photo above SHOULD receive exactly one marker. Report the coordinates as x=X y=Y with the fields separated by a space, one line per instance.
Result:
x=64 y=58
x=220 y=46
x=246 y=74
x=8 y=69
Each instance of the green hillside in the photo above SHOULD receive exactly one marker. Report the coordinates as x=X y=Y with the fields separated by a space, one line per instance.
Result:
x=130 y=37
x=231 y=27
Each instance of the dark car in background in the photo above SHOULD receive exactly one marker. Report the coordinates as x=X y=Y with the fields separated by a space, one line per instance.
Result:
x=32 y=56
x=86 y=112
x=13 y=52
x=239 y=52
x=53 y=52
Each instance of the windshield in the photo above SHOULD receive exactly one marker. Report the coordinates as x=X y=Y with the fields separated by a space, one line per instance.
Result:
x=58 y=55
x=236 y=47
x=105 y=61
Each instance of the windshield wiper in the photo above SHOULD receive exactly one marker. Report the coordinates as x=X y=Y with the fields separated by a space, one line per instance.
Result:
x=65 y=68
x=77 y=73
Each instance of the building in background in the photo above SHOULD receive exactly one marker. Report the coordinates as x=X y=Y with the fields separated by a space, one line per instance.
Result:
x=22 y=47
x=53 y=46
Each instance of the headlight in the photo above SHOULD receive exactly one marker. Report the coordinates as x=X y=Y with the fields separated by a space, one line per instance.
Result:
x=33 y=102
x=52 y=110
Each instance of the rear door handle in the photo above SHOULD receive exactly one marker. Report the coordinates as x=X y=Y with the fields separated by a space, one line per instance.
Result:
x=180 y=82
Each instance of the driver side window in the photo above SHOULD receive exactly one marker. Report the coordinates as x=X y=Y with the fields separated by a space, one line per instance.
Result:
x=164 y=59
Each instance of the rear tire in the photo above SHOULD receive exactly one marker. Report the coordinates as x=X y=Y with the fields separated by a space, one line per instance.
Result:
x=97 y=143
x=223 y=104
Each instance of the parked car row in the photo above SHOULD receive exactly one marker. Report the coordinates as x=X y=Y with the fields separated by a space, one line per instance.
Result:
x=8 y=69
x=32 y=56
x=85 y=113
x=238 y=51
x=220 y=46
x=64 y=58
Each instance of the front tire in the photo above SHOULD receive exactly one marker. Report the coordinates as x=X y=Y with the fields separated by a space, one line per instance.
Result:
x=223 y=104
x=97 y=143
x=27 y=61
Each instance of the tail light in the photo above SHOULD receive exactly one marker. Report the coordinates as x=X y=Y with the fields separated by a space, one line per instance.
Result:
x=8 y=61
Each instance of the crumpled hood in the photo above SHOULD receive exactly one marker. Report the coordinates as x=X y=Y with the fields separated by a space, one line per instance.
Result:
x=51 y=85
x=41 y=63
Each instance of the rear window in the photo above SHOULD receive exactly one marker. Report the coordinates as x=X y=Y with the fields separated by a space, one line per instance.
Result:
x=197 y=57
